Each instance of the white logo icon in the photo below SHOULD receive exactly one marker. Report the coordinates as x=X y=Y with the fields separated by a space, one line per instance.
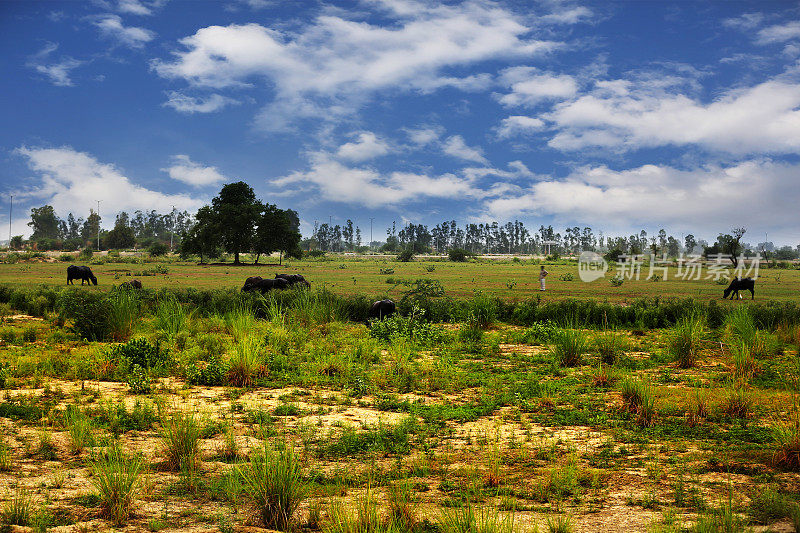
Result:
x=591 y=266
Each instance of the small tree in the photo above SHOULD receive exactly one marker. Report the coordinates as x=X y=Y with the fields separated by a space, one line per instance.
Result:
x=202 y=238
x=236 y=211
x=45 y=223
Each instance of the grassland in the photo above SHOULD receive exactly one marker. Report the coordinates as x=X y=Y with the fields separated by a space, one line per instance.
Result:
x=504 y=278
x=202 y=420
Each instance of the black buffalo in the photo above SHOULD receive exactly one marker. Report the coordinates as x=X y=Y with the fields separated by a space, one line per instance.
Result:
x=746 y=284
x=381 y=309
x=293 y=279
x=257 y=283
x=132 y=284
x=82 y=273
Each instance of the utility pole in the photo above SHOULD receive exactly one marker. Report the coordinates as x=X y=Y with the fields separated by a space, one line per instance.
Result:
x=98 y=225
x=370 y=232
x=172 y=232
x=10 y=211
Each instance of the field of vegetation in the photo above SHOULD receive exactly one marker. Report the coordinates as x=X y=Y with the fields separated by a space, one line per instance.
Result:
x=189 y=406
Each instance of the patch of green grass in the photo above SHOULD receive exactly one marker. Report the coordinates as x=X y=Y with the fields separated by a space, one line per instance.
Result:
x=569 y=345
x=181 y=433
x=390 y=439
x=686 y=339
x=117 y=478
x=19 y=509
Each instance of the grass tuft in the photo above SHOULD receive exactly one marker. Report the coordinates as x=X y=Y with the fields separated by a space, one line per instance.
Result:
x=116 y=478
x=569 y=346
x=181 y=435
x=686 y=339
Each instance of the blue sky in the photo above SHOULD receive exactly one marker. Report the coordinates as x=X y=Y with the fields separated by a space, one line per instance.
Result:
x=618 y=115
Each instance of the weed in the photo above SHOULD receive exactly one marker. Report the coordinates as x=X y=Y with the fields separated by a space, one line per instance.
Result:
x=638 y=397
x=5 y=457
x=768 y=506
x=273 y=480
x=80 y=429
x=686 y=339
x=29 y=334
x=170 y=317
x=117 y=478
x=124 y=310
x=698 y=408
x=738 y=403
x=19 y=509
x=569 y=346
x=402 y=505
x=787 y=440
x=181 y=435
x=246 y=361
x=560 y=524
x=467 y=519
x=609 y=346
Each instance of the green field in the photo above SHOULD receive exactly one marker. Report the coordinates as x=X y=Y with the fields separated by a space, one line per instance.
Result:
x=507 y=279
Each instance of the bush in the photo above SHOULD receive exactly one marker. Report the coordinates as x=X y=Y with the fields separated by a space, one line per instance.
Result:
x=157 y=249
x=273 y=480
x=139 y=352
x=139 y=381
x=458 y=255
x=212 y=374
x=406 y=255
x=88 y=311
x=116 y=478
x=85 y=254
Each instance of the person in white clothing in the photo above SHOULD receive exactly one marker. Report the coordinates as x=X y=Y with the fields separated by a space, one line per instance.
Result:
x=542 y=274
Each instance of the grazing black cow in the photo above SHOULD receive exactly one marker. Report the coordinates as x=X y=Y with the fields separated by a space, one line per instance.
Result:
x=82 y=273
x=746 y=284
x=257 y=283
x=132 y=284
x=381 y=309
x=293 y=279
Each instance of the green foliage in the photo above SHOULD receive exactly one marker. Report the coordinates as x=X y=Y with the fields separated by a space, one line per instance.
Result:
x=88 y=311
x=616 y=281
x=569 y=345
x=117 y=478
x=767 y=506
x=273 y=480
x=170 y=317
x=459 y=255
x=385 y=438
x=181 y=434
x=213 y=373
x=141 y=353
x=157 y=249
x=639 y=398
x=412 y=327
x=406 y=255
x=567 y=276
x=686 y=339
x=246 y=360
x=139 y=381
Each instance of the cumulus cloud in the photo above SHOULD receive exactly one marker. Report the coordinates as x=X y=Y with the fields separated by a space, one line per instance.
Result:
x=367 y=146
x=332 y=65
x=111 y=27
x=56 y=71
x=188 y=104
x=424 y=135
x=72 y=181
x=529 y=86
x=456 y=147
x=517 y=125
x=185 y=170
x=631 y=114
x=752 y=193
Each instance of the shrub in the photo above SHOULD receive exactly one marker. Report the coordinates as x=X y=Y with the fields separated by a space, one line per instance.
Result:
x=116 y=478
x=770 y=506
x=569 y=346
x=139 y=381
x=458 y=255
x=211 y=374
x=412 y=327
x=85 y=254
x=540 y=333
x=140 y=352
x=482 y=310
x=686 y=339
x=273 y=480
x=616 y=281
x=405 y=255
x=567 y=276
x=88 y=311
x=181 y=436
x=157 y=249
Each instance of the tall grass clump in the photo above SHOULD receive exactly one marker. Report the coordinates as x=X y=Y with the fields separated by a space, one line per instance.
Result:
x=482 y=310
x=316 y=306
x=744 y=362
x=686 y=339
x=19 y=509
x=365 y=518
x=170 y=317
x=181 y=438
x=273 y=480
x=124 y=309
x=245 y=361
x=240 y=321
x=786 y=452
x=569 y=346
x=609 y=345
x=116 y=478
x=739 y=323
x=638 y=397
x=469 y=520
x=80 y=429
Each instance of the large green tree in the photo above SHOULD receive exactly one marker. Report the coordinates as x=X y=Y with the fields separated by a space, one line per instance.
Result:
x=203 y=237
x=277 y=231
x=45 y=223
x=122 y=235
x=237 y=211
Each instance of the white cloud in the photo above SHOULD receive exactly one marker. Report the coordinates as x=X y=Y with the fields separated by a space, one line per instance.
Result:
x=570 y=15
x=456 y=147
x=631 y=114
x=332 y=65
x=747 y=21
x=134 y=7
x=424 y=135
x=516 y=125
x=189 y=104
x=757 y=193
x=367 y=146
x=58 y=72
x=73 y=181
x=779 y=33
x=111 y=27
x=529 y=86
x=185 y=170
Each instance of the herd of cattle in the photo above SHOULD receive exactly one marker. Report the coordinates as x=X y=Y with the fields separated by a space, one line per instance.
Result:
x=379 y=309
